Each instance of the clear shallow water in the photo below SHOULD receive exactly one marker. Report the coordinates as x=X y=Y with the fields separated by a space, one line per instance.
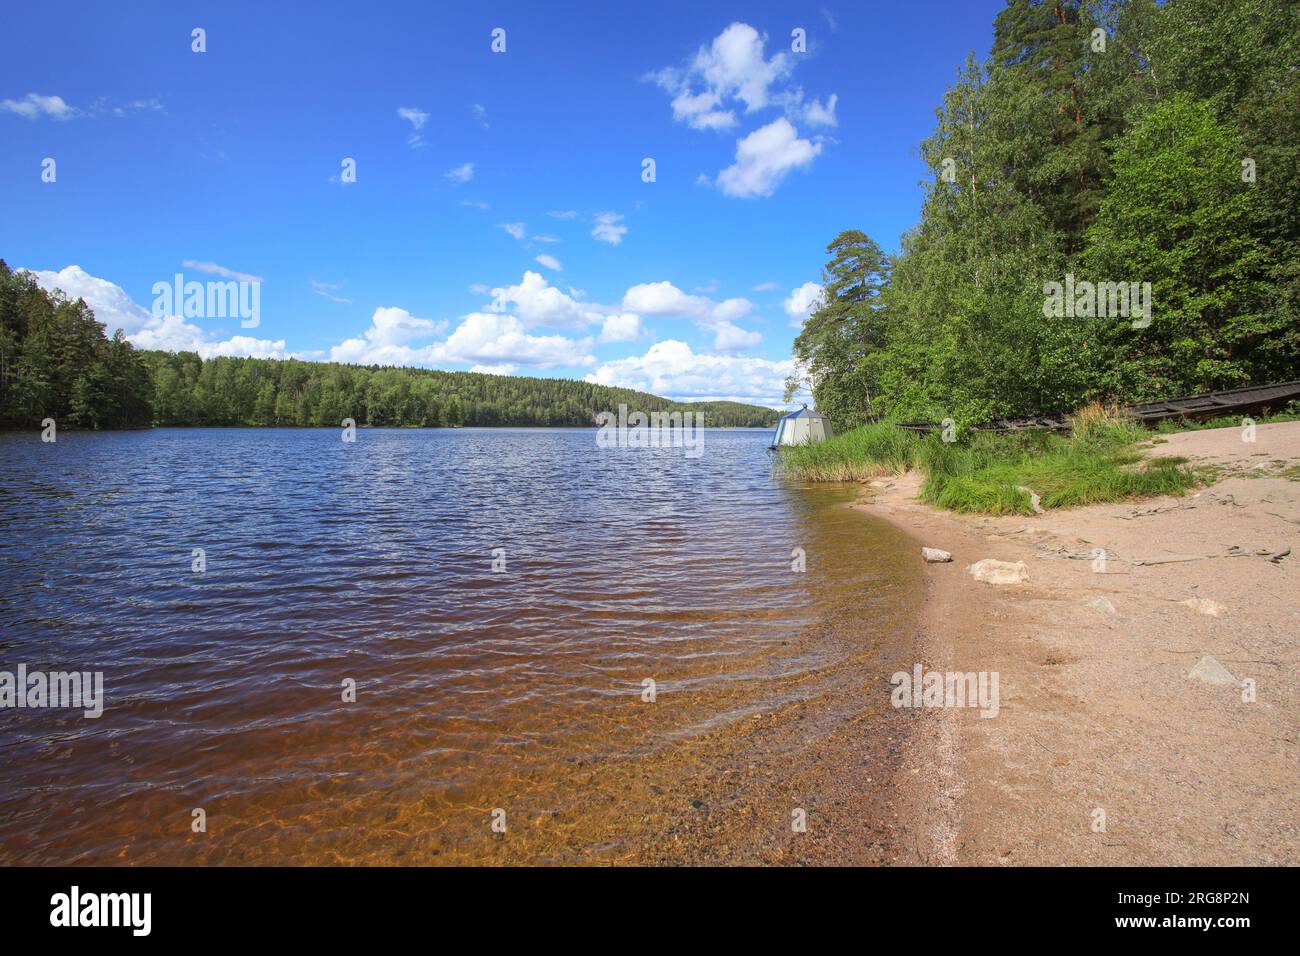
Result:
x=372 y=562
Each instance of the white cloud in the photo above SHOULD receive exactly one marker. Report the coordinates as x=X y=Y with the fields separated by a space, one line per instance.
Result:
x=732 y=67
x=608 y=228
x=417 y=118
x=671 y=369
x=664 y=298
x=732 y=338
x=547 y=239
x=763 y=158
x=536 y=302
x=387 y=341
x=328 y=290
x=413 y=115
x=515 y=229
x=480 y=114
x=34 y=105
x=505 y=368
x=117 y=310
x=802 y=302
x=478 y=288
x=211 y=268
x=550 y=262
x=821 y=114
x=461 y=174
x=491 y=338
x=474 y=203
x=765 y=287
x=621 y=328
x=563 y=214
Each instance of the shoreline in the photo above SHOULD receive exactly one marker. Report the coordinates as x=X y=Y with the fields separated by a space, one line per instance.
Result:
x=1105 y=751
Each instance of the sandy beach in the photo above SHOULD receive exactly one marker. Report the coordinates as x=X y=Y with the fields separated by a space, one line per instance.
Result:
x=1098 y=711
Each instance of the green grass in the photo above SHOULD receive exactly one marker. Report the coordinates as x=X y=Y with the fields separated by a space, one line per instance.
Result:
x=986 y=473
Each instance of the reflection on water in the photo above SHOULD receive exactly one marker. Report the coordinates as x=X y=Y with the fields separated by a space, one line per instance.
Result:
x=373 y=562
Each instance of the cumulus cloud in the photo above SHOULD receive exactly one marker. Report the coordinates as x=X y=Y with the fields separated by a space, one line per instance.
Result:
x=538 y=303
x=802 y=303
x=732 y=338
x=34 y=106
x=733 y=73
x=625 y=327
x=664 y=298
x=387 y=341
x=672 y=369
x=492 y=337
x=117 y=310
x=550 y=262
x=516 y=229
x=731 y=69
x=764 y=158
x=479 y=112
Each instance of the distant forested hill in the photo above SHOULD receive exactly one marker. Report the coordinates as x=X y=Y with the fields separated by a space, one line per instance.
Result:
x=56 y=362
x=241 y=391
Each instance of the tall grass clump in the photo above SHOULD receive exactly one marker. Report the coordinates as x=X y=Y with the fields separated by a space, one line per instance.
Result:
x=870 y=451
x=1097 y=461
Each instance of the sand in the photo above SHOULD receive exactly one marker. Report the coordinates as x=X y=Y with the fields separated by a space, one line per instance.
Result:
x=1098 y=711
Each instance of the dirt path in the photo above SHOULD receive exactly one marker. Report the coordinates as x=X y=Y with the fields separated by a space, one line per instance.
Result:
x=1098 y=712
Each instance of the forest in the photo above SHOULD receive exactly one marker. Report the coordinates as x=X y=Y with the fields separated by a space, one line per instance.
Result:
x=56 y=362
x=1143 y=143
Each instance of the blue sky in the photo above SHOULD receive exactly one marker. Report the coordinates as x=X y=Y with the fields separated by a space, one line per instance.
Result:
x=470 y=165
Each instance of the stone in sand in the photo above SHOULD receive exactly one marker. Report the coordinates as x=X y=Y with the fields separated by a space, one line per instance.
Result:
x=1099 y=603
x=936 y=555
x=1212 y=672
x=1204 y=606
x=999 y=572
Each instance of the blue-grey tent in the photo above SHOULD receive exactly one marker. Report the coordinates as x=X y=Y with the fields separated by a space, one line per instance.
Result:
x=802 y=428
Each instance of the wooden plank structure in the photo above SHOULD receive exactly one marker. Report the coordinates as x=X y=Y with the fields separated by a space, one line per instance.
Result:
x=1233 y=401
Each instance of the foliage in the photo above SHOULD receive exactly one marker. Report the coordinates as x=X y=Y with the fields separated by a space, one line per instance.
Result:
x=1119 y=159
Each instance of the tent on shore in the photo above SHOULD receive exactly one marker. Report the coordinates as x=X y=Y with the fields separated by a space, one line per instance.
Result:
x=803 y=427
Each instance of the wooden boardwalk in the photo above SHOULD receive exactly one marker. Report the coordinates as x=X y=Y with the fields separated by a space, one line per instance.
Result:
x=1233 y=401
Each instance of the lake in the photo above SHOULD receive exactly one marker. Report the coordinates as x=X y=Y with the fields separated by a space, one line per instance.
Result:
x=552 y=645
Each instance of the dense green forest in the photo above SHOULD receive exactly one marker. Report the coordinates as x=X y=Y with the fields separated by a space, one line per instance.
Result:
x=55 y=362
x=1104 y=142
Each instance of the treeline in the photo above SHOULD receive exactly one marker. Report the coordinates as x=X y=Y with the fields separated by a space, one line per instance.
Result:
x=55 y=362
x=1151 y=144
x=245 y=391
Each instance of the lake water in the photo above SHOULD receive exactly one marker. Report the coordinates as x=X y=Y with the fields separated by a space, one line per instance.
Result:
x=516 y=693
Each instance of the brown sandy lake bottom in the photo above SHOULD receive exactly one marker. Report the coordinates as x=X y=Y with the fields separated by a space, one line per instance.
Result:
x=516 y=696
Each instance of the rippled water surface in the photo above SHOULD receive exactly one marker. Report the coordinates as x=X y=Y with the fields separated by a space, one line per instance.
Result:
x=477 y=690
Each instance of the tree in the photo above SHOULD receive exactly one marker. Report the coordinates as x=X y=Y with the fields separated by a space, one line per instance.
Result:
x=1177 y=215
x=836 y=340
